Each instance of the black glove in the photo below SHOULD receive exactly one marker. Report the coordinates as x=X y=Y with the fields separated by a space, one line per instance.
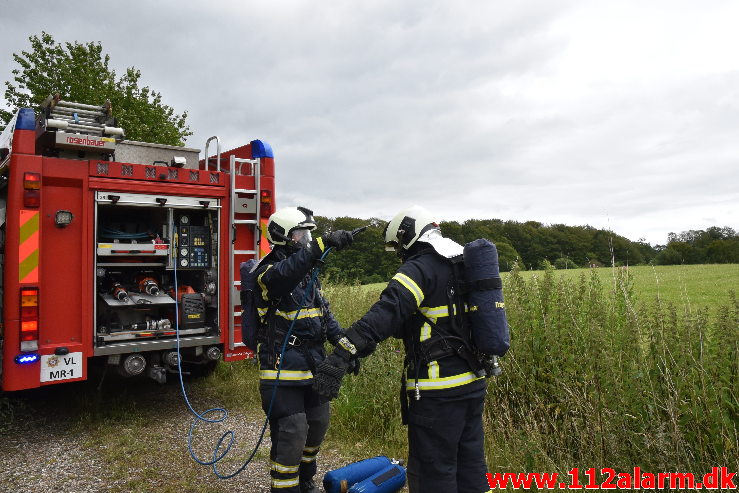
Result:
x=329 y=373
x=353 y=366
x=338 y=239
x=367 y=350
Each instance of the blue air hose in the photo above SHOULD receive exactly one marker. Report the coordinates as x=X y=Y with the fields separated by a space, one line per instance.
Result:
x=224 y=413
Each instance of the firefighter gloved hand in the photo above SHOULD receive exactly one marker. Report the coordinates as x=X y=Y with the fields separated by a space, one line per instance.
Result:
x=353 y=366
x=338 y=239
x=330 y=372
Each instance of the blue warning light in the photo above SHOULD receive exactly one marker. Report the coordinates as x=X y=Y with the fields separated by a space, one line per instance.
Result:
x=24 y=359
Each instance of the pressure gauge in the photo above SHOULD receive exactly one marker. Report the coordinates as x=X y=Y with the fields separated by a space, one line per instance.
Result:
x=184 y=262
x=183 y=252
x=184 y=220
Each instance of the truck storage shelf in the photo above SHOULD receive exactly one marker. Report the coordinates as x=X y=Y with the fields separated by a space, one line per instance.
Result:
x=130 y=249
x=143 y=344
x=138 y=299
x=149 y=334
x=130 y=264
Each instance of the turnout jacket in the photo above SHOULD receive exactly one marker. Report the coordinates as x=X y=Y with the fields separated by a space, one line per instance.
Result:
x=283 y=279
x=418 y=289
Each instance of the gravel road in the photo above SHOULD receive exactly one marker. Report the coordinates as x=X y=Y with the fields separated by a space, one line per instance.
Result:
x=128 y=437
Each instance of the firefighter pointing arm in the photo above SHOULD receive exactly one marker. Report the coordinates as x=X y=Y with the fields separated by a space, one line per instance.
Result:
x=300 y=416
x=443 y=380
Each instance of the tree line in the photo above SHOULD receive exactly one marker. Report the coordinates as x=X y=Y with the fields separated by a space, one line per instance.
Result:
x=81 y=72
x=531 y=245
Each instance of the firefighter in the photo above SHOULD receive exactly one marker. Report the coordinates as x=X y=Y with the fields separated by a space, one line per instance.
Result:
x=443 y=395
x=299 y=417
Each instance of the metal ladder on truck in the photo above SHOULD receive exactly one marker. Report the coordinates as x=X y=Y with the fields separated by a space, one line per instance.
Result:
x=244 y=211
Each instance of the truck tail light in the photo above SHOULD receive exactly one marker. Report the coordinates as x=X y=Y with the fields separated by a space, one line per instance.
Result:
x=31 y=189
x=29 y=319
x=265 y=202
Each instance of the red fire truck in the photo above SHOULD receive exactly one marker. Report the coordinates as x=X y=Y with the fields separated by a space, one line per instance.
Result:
x=110 y=247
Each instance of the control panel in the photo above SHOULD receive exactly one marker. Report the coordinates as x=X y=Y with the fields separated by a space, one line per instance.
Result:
x=194 y=245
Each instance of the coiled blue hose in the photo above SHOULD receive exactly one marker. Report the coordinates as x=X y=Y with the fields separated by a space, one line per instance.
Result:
x=224 y=413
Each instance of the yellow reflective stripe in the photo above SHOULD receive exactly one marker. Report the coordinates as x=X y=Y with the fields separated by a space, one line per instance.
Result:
x=264 y=246
x=307 y=459
x=310 y=450
x=411 y=286
x=286 y=469
x=442 y=383
x=305 y=313
x=441 y=311
x=285 y=375
x=319 y=240
x=265 y=295
x=433 y=370
x=28 y=247
x=425 y=332
x=284 y=483
x=434 y=311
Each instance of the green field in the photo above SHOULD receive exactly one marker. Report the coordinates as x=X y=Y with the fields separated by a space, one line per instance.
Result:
x=689 y=285
x=607 y=367
x=694 y=286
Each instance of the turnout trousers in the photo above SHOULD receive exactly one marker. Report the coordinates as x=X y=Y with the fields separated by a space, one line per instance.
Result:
x=446 y=444
x=298 y=424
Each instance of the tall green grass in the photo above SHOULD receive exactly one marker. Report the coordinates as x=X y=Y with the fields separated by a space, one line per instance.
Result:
x=594 y=378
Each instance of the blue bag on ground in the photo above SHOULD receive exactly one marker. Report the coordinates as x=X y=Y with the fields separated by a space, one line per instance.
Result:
x=485 y=296
x=249 y=315
x=388 y=480
x=340 y=480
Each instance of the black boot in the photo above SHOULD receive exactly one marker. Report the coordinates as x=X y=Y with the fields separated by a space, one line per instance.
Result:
x=309 y=487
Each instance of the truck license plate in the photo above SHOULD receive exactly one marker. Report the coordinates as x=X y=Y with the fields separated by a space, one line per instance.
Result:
x=56 y=367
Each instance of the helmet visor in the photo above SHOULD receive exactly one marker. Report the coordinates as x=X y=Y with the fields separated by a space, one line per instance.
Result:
x=301 y=237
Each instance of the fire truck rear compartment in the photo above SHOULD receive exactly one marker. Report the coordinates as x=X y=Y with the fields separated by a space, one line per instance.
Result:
x=155 y=274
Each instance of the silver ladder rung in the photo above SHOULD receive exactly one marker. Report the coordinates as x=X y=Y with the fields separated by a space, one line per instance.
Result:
x=237 y=314
x=245 y=252
x=244 y=190
x=246 y=221
x=237 y=283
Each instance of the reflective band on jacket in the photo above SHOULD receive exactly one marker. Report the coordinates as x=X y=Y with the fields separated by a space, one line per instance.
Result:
x=434 y=312
x=285 y=374
x=442 y=383
x=284 y=469
x=265 y=294
x=425 y=332
x=319 y=240
x=433 y=369
x=284 y=483
x=411 y=286
x=304 y=313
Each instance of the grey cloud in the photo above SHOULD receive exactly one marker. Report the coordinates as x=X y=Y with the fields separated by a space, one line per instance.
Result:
x=373 y=106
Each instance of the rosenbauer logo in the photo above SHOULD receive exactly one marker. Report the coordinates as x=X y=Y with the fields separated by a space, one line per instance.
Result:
x=85 y=141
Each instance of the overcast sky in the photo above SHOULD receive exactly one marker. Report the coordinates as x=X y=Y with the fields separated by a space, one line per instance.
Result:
x=618 y=114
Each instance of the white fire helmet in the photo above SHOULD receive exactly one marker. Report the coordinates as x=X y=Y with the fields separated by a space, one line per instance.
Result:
x=284 y=222
x=407 y=226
